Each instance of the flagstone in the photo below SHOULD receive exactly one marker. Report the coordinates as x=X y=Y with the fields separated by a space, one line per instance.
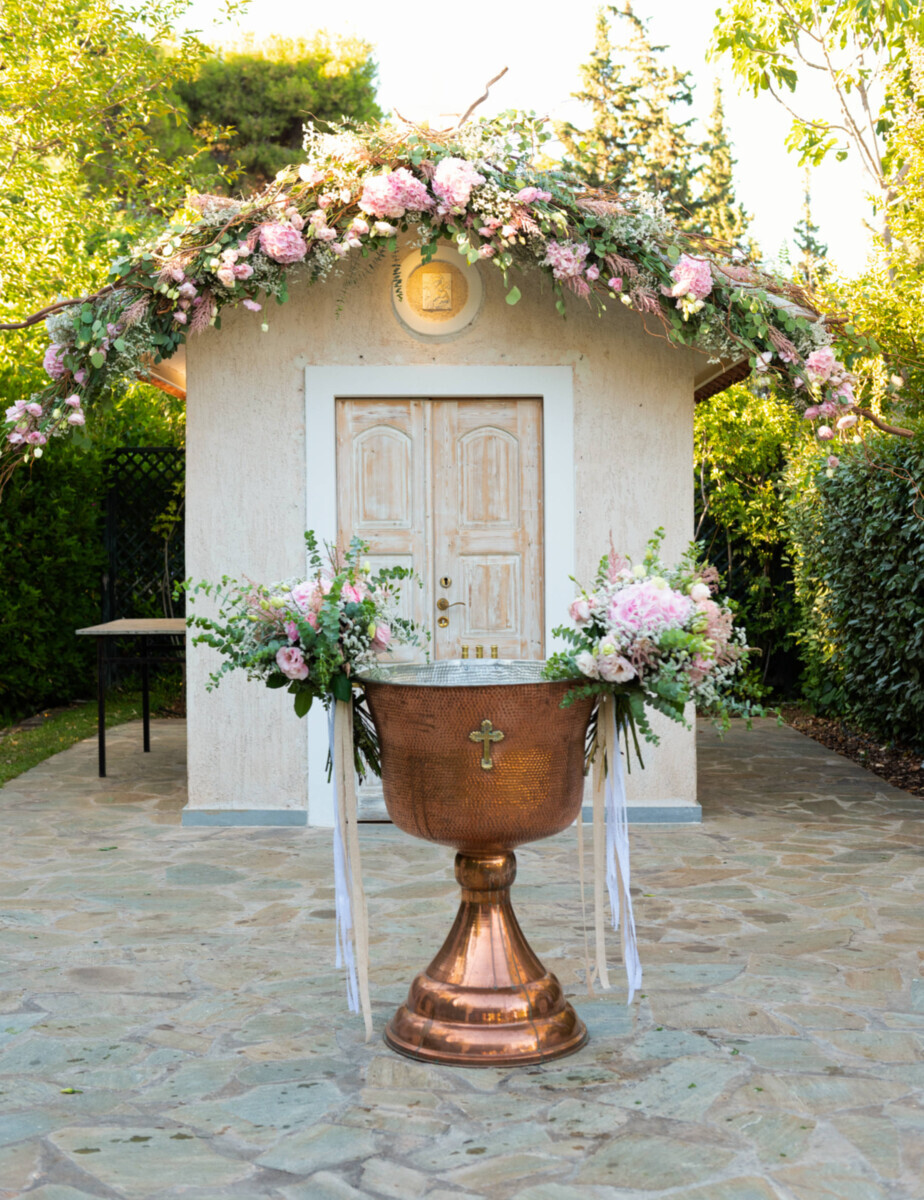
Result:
x=823 y=1016
x=775 y=1135
x=829 y=1182
x=501 y=1169
x=684 y=1090
x=19 y=1166
x=322 y=1145
x=879 y=1045
x=740 y=1188
x=653 y=1162
x=143 y=1160
x=325 y=1185
x=877 y=1140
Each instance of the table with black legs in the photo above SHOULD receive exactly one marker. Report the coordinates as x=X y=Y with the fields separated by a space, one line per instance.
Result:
x=142 y=629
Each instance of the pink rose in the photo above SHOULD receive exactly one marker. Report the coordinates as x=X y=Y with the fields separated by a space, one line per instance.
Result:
x=34 y=410
x=592 y=273
x=291 y=631
x=614 y=284
x=811 y=412
x=382 y=637
x=283 y=244
x=291 y=662
x=76 y=418
x=587 y=665
x=529 y=195
x=252 y=305
x=846 y=421
x=833 y=461
x=580 y=611
x=825 y=433
x=614 y=668
x=243 y=271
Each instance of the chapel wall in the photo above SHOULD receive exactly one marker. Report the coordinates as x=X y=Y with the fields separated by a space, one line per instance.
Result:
x=247 y=494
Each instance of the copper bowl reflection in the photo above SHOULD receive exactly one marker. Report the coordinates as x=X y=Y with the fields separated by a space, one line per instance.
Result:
x=481 y=756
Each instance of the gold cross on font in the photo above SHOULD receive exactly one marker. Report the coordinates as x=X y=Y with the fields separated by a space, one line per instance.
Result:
x=486 y=735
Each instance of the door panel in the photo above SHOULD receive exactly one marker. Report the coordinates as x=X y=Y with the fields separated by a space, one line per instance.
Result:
x=453 y=489
x=487 y=525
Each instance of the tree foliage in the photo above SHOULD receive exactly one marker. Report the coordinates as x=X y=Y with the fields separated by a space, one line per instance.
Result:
x=859 y=47
x=743 y=440
x=718 y=212
x=261 y=93
x=635 y=142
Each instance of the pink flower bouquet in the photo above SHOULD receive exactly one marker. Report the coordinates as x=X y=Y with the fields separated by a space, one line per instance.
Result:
x=311 y=636
x=654 y=636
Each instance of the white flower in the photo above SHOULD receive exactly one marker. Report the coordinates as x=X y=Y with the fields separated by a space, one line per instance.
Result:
x=639 y=571
x=699 y=591
x=616 y=669
x=383 y=229
x=587 y=664
x=658 y=581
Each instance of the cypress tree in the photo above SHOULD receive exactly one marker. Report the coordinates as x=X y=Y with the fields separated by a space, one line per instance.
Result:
x=720 y=215
x=811 y=267
x=633 y=143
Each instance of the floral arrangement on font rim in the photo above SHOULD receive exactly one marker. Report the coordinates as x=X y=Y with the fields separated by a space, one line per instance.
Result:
x=476 y=187
x=311 y=636
x=654 y=636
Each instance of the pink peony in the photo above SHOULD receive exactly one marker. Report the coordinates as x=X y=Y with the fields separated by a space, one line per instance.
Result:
x=647 y=606
x=382 y=637
x=291 y=662
x=566 y=258
x=283 y=244
x=692 y=277
x=820 y=364
x=825 y=433
x=592 y=273
x=393 y=194
x=76 y=418
x=453 y=181
x=54 y=361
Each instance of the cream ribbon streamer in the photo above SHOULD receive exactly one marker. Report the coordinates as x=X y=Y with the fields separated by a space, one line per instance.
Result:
x=611 y=850
x=350 y=900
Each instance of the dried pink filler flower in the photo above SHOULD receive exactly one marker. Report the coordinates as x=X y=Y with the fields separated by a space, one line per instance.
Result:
x=283 y=244
x=692 y=277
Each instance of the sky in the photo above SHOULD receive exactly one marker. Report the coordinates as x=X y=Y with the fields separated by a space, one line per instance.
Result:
x=435 y=60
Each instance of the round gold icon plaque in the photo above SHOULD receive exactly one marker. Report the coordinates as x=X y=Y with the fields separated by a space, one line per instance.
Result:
x=438 y=297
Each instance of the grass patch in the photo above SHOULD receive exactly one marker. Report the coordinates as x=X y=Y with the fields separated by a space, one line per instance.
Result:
x=22 y=749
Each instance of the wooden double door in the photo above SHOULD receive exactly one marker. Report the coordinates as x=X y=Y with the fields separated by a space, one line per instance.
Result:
x=453 y=489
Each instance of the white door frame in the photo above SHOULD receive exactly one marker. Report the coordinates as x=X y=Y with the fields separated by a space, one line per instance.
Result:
x=325 y=385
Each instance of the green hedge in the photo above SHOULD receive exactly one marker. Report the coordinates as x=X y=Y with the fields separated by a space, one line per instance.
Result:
x=51 y=550
x=859 y=538
x=52 y=554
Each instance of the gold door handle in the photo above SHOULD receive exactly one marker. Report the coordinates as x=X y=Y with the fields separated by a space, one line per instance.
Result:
x=442 y=604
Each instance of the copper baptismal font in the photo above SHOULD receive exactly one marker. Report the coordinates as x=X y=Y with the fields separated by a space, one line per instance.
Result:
x=480 y=756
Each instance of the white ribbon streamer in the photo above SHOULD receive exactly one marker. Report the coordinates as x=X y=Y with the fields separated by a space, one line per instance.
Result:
x=611 y=850
x=352 y=943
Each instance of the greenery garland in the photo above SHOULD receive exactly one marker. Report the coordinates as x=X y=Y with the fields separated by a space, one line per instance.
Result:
x=477 y=186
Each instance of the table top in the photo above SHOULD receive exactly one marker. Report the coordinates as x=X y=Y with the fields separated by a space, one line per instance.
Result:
x=137 y=627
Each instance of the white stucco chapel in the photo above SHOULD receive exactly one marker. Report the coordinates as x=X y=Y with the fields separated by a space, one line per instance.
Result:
x=495 y=448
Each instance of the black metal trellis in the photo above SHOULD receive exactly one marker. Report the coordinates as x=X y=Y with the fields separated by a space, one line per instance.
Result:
x=144 y=532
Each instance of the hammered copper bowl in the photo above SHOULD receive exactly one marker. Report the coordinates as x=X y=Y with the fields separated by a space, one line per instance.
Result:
x=481 y=756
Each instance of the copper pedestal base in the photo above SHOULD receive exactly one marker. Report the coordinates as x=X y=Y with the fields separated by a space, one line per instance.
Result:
x=486 y=1000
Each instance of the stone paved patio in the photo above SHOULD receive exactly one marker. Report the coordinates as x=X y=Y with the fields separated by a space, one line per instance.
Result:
x=172 y=1025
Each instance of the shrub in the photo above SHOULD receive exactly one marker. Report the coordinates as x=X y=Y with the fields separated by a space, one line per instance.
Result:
x=859 y=554
x=742 y=442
